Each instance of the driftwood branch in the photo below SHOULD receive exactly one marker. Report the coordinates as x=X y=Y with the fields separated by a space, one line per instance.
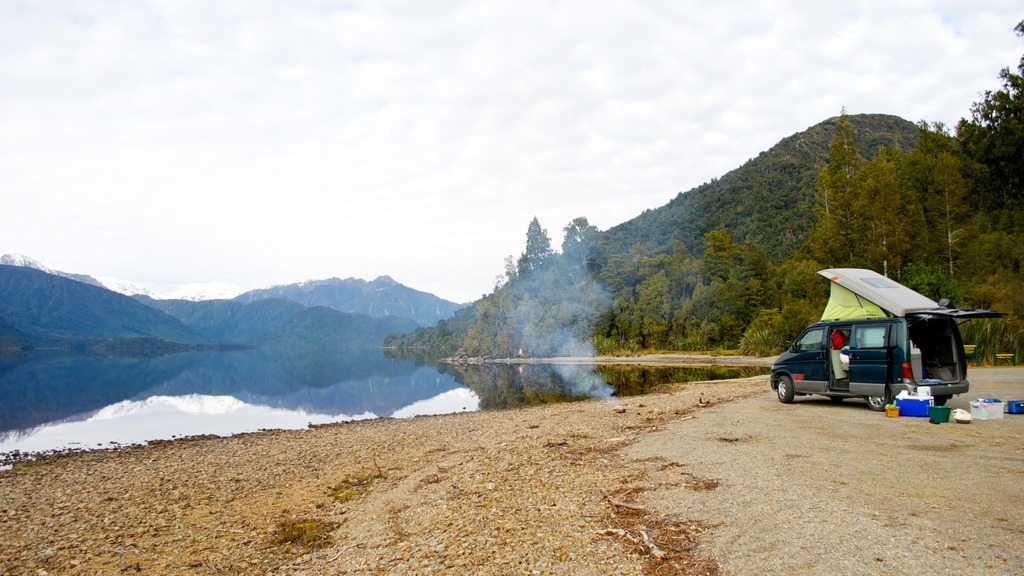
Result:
x=617 y=532
x=620 y=504
x=655 y=551
x=380 y=471
x=345 y=549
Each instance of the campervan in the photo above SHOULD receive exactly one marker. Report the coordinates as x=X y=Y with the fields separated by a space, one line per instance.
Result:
x=875 y=339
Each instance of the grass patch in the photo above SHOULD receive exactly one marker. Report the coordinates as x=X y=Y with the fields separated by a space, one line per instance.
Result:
x=308 y=533
x=27 y=464
x=353 y=486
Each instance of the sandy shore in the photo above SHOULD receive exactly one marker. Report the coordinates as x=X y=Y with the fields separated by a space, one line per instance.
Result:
x=596 y=487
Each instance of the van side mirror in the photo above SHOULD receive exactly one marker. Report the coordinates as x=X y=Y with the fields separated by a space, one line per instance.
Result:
x=944 y=303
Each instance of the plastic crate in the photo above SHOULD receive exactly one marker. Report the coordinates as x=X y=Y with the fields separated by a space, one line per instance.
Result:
x=986 y=410
x=1015 y=407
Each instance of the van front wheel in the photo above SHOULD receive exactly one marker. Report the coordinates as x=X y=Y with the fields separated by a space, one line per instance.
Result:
x=785 y=390
x=877 y=403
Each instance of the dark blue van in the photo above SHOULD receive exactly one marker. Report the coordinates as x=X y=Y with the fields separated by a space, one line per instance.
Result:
x=876 y=338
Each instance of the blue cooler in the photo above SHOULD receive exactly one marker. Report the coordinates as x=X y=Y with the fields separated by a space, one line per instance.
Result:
x=914 y=406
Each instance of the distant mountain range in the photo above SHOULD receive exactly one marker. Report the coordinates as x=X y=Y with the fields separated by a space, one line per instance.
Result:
x=381 y=297
x=43 y=308
x=194 y=291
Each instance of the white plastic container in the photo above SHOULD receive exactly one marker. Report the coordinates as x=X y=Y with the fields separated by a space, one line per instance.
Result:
x=986 y=410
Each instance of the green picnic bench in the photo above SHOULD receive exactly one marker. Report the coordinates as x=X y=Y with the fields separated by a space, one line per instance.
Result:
x=1008 y=356
x=971 y=352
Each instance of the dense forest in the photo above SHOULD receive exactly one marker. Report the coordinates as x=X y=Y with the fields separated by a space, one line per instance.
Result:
x=732 y=264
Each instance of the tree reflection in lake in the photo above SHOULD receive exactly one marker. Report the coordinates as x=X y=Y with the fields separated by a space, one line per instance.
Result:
x=51 y=401
x=94 y=398
x=636 y=380
x=501 y=385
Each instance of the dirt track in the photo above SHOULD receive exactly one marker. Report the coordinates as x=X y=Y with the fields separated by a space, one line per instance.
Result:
x=822 y=488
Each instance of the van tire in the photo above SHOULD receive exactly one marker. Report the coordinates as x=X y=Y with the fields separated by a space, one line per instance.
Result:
x=877 y=403
x=785 y=390
x=941 y=400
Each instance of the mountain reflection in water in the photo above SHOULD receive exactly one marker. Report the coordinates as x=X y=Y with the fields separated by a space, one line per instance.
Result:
x=52 y=402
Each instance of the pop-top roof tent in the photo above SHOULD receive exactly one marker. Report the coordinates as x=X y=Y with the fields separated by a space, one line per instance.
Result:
x=859 y=293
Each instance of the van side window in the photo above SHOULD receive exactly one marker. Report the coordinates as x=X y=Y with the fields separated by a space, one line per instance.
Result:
x=811 y=340
x=870 y=336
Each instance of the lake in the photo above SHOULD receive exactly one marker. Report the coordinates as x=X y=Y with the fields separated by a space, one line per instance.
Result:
x=59 y=401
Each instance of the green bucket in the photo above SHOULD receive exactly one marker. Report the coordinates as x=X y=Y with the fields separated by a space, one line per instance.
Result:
x=939 y=413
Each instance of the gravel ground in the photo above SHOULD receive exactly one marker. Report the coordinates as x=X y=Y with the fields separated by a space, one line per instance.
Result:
x=822 y=488
x=706 y=478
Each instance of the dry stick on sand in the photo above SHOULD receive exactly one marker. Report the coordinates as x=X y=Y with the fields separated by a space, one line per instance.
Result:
x=620 y=504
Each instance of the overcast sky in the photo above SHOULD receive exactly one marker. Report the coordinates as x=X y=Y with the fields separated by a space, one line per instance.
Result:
x=266 y=142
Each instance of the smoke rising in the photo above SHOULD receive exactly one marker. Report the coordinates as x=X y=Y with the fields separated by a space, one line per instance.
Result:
x=551 y=316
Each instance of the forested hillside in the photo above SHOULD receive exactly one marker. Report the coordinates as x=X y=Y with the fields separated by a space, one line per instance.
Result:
x=228 y=321
x=765 y=201
x=732 y=264
x=43 y=307
x=279 y=323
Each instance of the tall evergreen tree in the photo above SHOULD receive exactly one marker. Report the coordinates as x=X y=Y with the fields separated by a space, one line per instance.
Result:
x=581 y=244
x=994 y=137
x=832 y=240
x=935 y=171
x=538 y=248
x=889 y=216
x=654 y=304
x=721 y=255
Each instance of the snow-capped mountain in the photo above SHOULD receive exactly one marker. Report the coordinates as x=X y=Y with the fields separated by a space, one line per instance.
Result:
x=125 y=287
x=22 y=260
x=197 y=292
x=381 y=297
x=26 y=262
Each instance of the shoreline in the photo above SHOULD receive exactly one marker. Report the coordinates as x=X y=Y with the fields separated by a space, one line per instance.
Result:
x=667 y=360
x=660 y=360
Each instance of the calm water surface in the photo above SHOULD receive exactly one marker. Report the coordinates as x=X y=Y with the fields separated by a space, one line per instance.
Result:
x=55 y=402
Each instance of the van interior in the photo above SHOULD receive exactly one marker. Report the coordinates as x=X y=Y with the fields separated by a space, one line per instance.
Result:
x=837 y=338
x=934 y=355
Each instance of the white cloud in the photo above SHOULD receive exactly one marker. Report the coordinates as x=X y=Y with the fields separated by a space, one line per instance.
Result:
x=263 y=142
